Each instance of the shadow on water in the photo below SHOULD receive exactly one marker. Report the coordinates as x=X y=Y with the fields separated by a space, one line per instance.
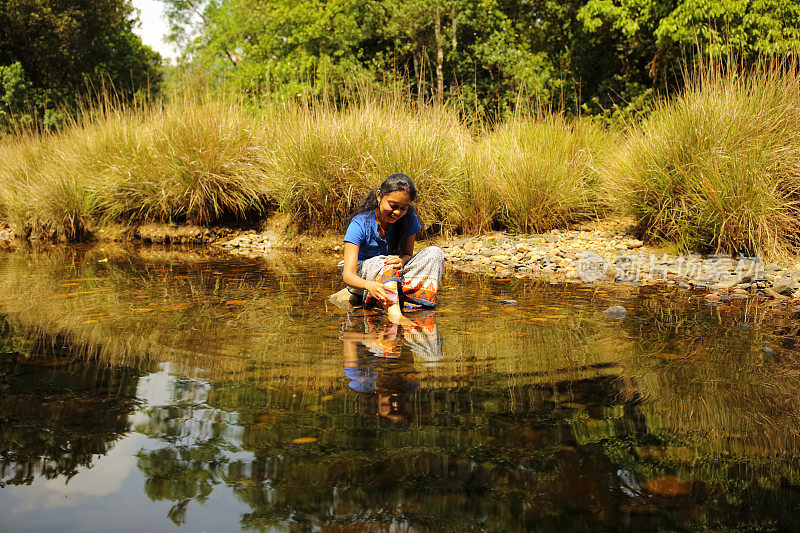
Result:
x=543 y=415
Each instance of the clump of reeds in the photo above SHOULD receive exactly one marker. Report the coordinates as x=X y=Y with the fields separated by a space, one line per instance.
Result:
x=44 y=190
x=718 y=167
x=198 y=160
x=188 y=161
x=326 y=159
x=536 y=173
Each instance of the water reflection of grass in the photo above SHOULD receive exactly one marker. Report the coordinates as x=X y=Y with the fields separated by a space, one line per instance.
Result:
x=694 y=373
x=260 y=318
x=539 y=415
x=183 y=311
x=263 y=322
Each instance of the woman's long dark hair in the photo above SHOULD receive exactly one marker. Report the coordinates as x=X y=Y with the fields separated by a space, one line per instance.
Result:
x=395 y=182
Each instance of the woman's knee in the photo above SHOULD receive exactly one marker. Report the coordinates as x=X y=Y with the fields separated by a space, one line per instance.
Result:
x=435 y=253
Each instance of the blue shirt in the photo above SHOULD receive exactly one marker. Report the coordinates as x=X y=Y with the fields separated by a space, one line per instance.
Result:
x=361 y=379
x=363 y=232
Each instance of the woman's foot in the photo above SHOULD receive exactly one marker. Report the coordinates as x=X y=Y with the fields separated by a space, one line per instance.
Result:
x=396 y=316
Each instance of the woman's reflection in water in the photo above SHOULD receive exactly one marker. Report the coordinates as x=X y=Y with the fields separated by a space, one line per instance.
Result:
x=379 y=362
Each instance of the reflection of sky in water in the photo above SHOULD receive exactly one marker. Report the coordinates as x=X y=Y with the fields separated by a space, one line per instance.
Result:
x=160 y=392
x=158 y=388
x=106 y=476
x=108 y=495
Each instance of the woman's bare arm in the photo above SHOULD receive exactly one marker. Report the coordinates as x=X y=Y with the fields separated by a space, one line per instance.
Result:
x=349 y=274
x=408 y=248
x=351 y=277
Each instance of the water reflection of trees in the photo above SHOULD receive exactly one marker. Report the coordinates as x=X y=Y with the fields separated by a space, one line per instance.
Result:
x=183 y=474
x=55 y=416
x=558 y=459
x=551 y=415
x=460 y=463
x=686 y=396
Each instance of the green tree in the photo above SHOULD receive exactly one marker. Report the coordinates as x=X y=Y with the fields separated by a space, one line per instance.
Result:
x=651 y=38
x=441 y=48
x=284 y=46
x=608 y=56
x=53 y=53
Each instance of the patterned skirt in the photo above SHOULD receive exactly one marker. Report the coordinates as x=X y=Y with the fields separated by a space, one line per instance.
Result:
x=419 y=279
x=424 y=340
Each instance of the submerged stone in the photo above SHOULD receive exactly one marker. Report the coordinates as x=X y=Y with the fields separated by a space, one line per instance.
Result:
x=344 y=299
x=785 y=287
x=616 y=311
x=668 y=486
x=712 y=298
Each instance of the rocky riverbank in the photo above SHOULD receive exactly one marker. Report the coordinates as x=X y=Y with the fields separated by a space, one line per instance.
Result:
x=608 y=253
x=604 y=252
x=597 y=253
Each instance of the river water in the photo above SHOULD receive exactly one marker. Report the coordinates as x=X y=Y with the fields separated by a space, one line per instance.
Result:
x=156 y=389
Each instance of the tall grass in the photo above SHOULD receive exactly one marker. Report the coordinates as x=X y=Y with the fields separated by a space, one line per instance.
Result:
x=45 y=191
x=201 y=160
x=718 y=167
x=327 y=159
x=187 y=162
x=192 y=161
x=541 y=172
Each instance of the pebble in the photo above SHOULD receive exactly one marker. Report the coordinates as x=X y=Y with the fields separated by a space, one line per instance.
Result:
x=616 y=311
x=604 y=252
x=785 y=287
x=712 y=297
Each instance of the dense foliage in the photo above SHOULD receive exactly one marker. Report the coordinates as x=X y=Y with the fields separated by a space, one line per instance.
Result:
x=53 y=53
x=608 y=56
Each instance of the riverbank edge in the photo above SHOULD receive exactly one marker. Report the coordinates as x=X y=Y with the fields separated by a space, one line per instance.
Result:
x=600 y=252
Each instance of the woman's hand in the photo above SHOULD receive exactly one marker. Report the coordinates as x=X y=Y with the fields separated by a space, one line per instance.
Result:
x=377 y=291
x=394 y=261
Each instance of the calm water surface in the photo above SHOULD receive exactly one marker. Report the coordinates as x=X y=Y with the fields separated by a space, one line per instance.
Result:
x=160 y=389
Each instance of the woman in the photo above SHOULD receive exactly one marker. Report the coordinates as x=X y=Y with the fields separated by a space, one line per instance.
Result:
x=379 y=254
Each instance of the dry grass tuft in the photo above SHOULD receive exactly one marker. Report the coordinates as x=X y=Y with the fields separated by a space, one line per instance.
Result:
x=718 y=168
x=328 y=159
x=535 y=174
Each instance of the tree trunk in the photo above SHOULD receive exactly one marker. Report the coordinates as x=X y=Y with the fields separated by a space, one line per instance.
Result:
x=453 y=55
x=437 y=28
x=418 y=74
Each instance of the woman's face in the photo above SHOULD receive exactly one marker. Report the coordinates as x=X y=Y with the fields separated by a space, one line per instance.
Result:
x=393 y=206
